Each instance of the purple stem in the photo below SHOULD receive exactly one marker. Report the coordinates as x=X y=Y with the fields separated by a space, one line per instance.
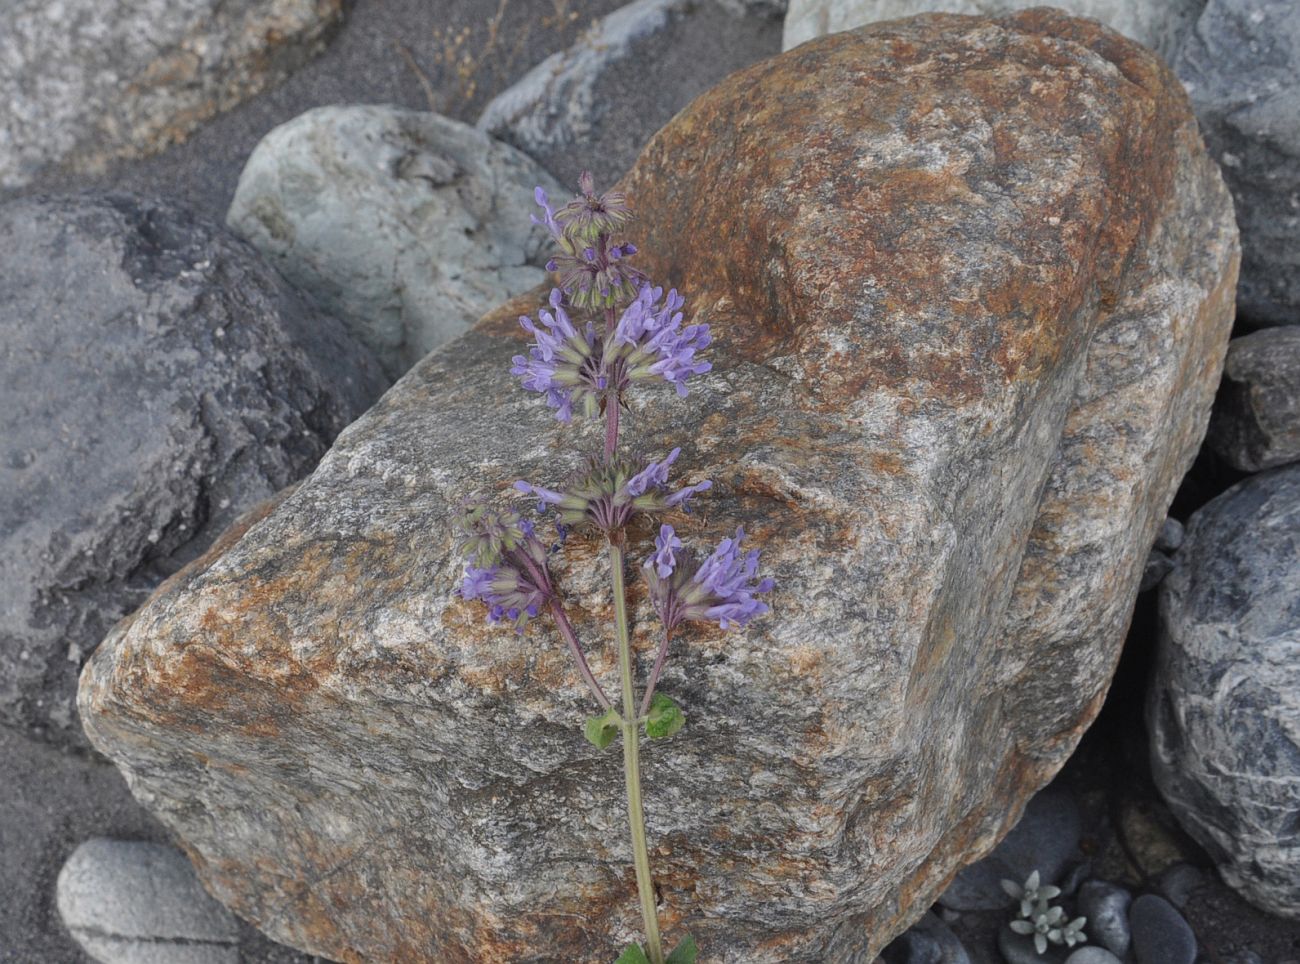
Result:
x=660 y=658
x=570 y=637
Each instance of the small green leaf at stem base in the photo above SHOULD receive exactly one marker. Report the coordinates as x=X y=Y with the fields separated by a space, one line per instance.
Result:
x=634 y=955
x=664 y=719
x=684 y=953
x=601 y=731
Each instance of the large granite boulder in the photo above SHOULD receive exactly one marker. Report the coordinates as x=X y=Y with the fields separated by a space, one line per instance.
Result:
x=1256 y=420
x=1241 y=67
x=1224 y=706
x=1160 y=24
x=971 y=282
x=403 y=224
x=85 y=82
x=157 y=378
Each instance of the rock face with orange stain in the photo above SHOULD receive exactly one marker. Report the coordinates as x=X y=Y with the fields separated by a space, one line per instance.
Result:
x=971 y=282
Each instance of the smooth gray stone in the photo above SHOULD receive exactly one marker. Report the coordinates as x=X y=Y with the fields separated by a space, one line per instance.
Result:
x=130 y=902
x=87 y=82
x=595 y=105
x=1160 y=934
x=1093 y=955
x=1178 y=883
x=1019 y=949
x=1106 y=906
x=1172 y=532
x=928 y=941
x=157 y=378
x=1045 y=839
x=1256 y=419
x=406 y=225
x=1223 y=708
x=1241 y=67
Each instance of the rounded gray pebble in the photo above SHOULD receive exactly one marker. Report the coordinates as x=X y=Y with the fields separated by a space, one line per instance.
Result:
x=928 y=941
x=1019 y=949
x=1178 y=883
x=1160 y=934
x=1092 y=955
x=1106 y=907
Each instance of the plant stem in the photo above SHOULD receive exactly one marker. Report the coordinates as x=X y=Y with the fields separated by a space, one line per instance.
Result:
x=632 y=763
x=660 y=658
x=570 y=637
x=611 y=399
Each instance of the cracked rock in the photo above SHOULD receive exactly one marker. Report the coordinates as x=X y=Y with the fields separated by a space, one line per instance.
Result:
x=157 y=378
x=129 y=902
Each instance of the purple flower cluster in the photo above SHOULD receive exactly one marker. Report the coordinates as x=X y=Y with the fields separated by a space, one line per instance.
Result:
x=505 y=565
x=721 y=588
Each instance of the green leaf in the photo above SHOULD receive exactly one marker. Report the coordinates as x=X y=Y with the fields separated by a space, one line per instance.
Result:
x=601 y=731
x=685 y=952
x=634 y=955
x=664 y=719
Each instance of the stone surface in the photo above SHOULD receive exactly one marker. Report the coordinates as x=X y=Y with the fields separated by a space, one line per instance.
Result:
x=85 y=82
x=1224 y=703
x=130 y=902
x=406 y=225
x=1160 y=935
x=948 y=403
x=1256 y=419
x=595 y=105
x=1159 y=24
x=156 y=379
x=928 y=941
x=1019 y=949
x=755 y=8
x=1045 y=839
x=1106 y=907
x=1241 y=66
x=1093 y=955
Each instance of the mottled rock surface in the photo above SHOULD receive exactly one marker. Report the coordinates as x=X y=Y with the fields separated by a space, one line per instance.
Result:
x=1224 y=708
x=1241 y=66
x=1256 y=419
x=406 y=225
x=157 y=378
x=86 y=82
x=595 y=105
x=967 y=342
x=1159 y=24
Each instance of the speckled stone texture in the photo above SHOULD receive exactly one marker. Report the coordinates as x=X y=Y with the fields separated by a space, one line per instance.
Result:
x=1256 y=419
x=85 y=82
x=1224 y=706
x=157 y=379
x=971 y=282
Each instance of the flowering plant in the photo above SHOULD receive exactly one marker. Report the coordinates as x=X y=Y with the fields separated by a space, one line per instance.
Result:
x=633 y=335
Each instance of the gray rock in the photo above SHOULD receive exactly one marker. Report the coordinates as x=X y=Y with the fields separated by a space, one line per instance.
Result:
x=1019 y=949
x=928 y=941
x=1160 y=934
x=156 y=379
x=1093 y=955
x=1160 y=24
x=84 y=82
x=1172 y=533
x=1046 y=839
x=1224 y=704
x=954 y=465
x=129 y=902
x=595 y=105
x=1177 y=884
x=1106 y=907
x=406 y=225
x=1256 y=419
x=1241 y=66
x=1158 y=565
x=772 y=9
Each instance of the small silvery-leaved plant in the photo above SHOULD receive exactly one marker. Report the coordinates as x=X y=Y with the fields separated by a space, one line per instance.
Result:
x=1047 y=924
x=605 y=331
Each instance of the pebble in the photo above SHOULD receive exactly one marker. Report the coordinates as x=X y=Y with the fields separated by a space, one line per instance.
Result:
x=1160 y=934
x=928 y=941
x=1092 y=955
x=1106 y=907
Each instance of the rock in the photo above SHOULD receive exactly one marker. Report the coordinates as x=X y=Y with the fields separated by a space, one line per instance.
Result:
x=86 y=83
x=1160 y=935
x=1241 y=66
x=406 y=225
x=772 y=9
x=928 y=941
x=1172 y=532
x=947 y=403
x=131 y=902
x=1092 y=955
x=1045 y=839
x=1106 y=907
x=1160 y=24
x=1019 y=949
x=1179 y=882
x=1256 y=419
x=1224 y=704
x=156 y=379
x=595 y=105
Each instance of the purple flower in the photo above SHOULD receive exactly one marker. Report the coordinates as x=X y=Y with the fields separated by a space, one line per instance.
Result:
x=649 y=342
x=562 y=361
x=608 y=494
x=721 y=588
x=548 y=221
x=505 y=564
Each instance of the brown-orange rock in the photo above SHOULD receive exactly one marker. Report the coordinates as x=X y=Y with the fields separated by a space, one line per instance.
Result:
x=971 y=282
